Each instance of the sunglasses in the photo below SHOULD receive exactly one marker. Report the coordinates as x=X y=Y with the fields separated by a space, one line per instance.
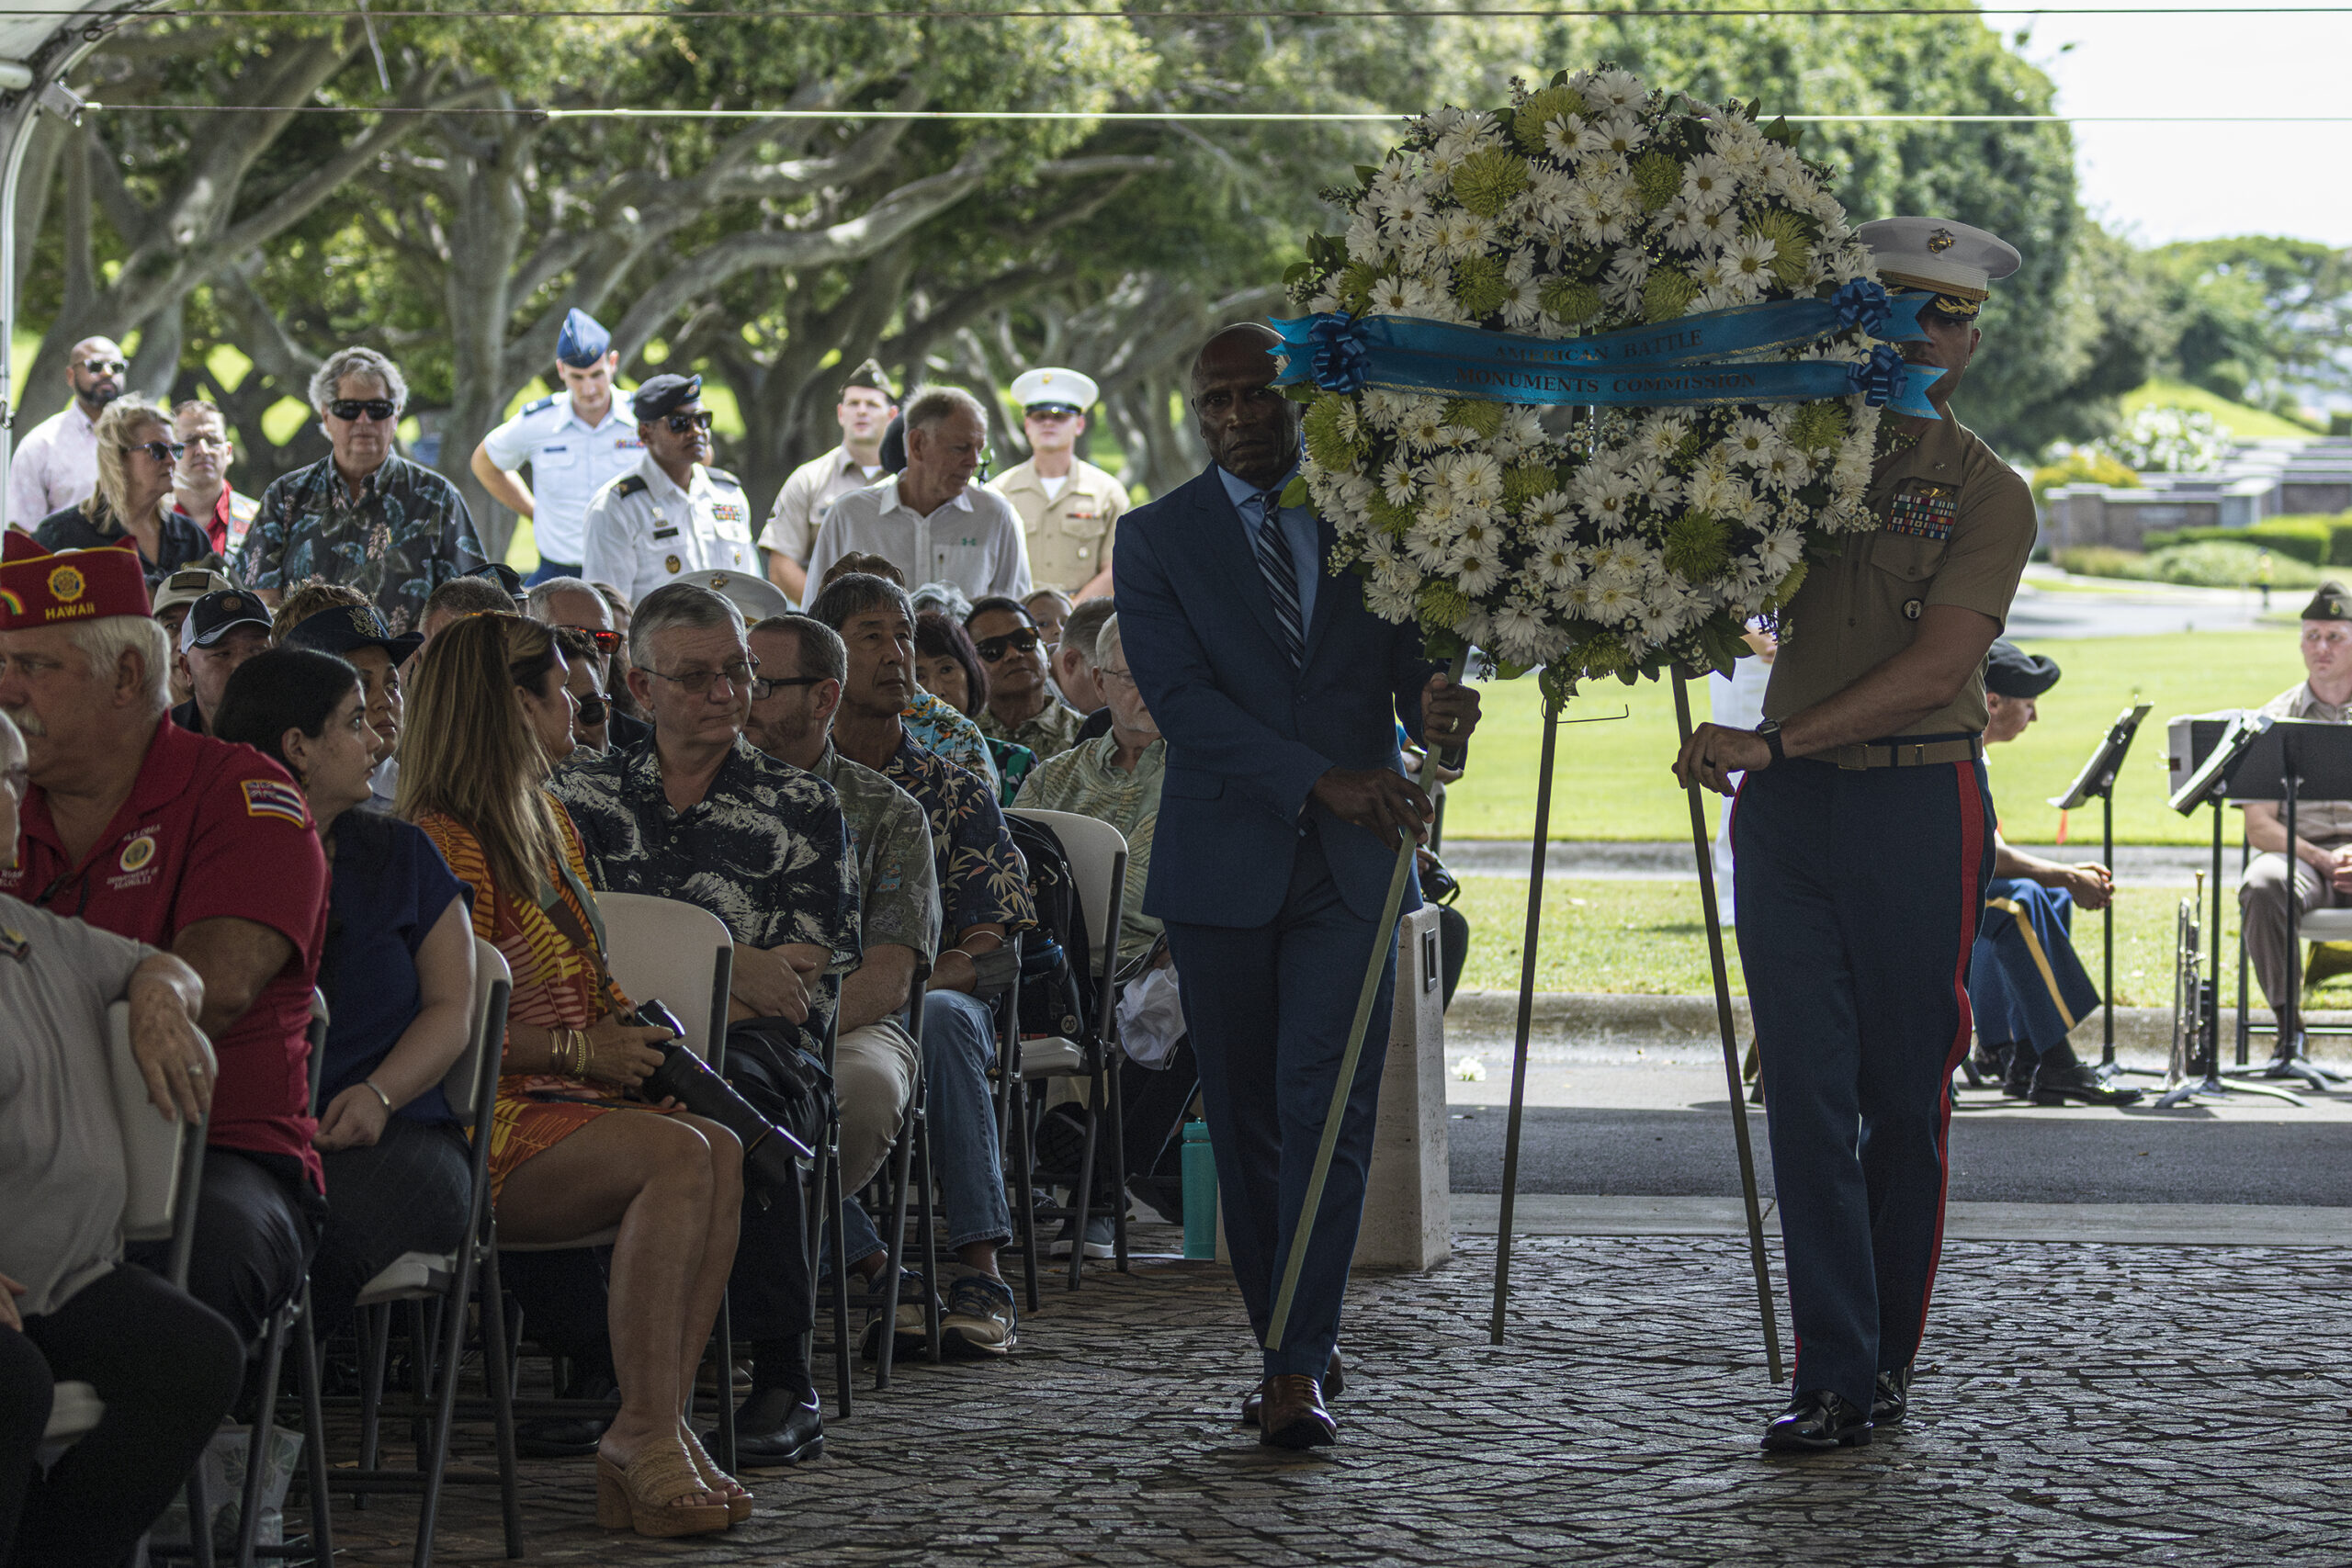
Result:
x=695 y=683
x=992 y=648
x=162 y=451
x=352 y=408
x=105 y=366
x=592 y=711
x=763 y=690
x=605 y=642
x=681 y=422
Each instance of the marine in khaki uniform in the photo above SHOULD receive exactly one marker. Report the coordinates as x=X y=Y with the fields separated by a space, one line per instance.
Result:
x=1863 y=844
x=673 y=513
x=1069 y=509
x=867 y=406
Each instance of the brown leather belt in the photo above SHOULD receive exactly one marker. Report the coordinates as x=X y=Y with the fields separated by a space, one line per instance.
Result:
x=1904 y=754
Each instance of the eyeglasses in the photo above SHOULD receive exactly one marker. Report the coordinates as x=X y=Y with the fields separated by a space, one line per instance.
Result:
x=1107 y=673
x=354 y=408
x=992 y=648
x=605 y=642
x=105 y=366
x=162 y=451
x=698 y=681
x=763 y=690
x=682 y=422
x=592 y=711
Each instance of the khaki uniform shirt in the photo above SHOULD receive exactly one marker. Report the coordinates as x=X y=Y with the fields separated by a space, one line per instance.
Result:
x=643 y=531
x=1955 y=526
x=2324 y=822
x=806 y=496
x=1070 y=535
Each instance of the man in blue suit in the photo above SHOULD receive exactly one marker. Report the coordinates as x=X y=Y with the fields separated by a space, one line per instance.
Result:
x=1279 y=694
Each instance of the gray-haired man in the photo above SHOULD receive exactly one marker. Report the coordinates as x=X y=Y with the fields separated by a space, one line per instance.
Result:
x=932 y=522
x=363 y=515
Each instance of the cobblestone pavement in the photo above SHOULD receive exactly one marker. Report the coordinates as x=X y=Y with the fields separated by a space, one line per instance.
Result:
x=2077 y=1403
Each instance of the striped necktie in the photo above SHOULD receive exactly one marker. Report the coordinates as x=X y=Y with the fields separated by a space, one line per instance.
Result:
x=1282 y=576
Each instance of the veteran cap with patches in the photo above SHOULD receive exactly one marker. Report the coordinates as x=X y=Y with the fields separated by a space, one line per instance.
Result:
x=2011 y=672
x=37 y=588
x=1050 y=387
x=582 y=341
x=346 y=627
x=661 y=394
x=214 y=616
x=756 y=596
x=184 y=588
x=2332 y=601
x=1955 y=262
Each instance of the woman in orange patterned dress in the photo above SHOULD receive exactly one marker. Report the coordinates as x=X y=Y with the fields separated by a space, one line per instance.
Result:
x=488 y=719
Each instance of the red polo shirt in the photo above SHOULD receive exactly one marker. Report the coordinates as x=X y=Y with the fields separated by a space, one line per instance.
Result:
x=210 y=830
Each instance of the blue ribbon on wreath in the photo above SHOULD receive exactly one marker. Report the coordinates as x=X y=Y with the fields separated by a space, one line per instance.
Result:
x=1338 y=359
x=1860 y=303
x=1882 y=379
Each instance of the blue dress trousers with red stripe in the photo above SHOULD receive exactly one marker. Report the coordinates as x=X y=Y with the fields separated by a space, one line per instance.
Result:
x=1860 y=894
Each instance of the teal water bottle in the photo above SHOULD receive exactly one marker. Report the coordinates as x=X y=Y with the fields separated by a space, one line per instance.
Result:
x=1200 y=1193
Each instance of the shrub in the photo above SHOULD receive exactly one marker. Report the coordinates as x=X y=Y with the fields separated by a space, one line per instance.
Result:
x=2227 y=564
x=2169 y=440
x=2081 y=465
x=2100 y=560
x=2314 y=540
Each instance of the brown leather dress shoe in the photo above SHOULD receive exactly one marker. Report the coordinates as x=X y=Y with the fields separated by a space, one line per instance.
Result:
x=1291 y=1415
x=1335 y=1384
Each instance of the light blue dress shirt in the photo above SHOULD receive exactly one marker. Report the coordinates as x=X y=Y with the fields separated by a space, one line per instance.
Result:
x=1297 y=524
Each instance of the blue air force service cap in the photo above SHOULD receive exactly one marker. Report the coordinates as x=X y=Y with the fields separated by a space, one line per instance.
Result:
x=1950 y=260
x=660 y=394
x=582 y=342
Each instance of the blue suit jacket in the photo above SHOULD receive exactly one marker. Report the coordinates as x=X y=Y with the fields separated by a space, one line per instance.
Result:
x=1248 y=733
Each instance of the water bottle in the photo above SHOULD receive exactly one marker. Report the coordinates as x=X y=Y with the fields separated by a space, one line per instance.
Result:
x=1200 y=1193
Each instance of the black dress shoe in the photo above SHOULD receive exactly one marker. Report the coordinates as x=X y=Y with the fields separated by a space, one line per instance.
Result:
x=1816 y=1420
x=1890 y=1400
x=1335 y=1384
x=2078 y=1082
x=775 y=1425
x=572 y=1436
x=1291 y=1415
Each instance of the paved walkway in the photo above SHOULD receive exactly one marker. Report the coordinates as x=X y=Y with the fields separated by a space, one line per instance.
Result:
x=2077 y=1403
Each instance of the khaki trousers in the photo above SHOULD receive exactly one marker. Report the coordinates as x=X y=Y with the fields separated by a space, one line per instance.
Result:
x=2262 y=909
x=874 y=1076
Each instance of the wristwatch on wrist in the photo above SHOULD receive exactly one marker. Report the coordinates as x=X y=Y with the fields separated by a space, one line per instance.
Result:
x=1770 y=730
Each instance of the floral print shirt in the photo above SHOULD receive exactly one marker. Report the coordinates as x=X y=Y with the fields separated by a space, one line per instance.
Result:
x=982 y=880
x=402 y=536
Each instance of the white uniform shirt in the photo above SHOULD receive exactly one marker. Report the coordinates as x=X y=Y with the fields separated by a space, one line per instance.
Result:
x=570 y=462
x=55 y=466
x=643 y=531
x=807 y=496
x=973 y=541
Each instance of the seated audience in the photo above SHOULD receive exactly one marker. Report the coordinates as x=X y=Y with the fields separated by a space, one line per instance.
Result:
x=357 y=635
x=470 y=594
x=699 y=815
x=569 y=604
x=191 y=844
x=616 y=692
x=948 y=667
x=397 y=971
x=1049 y=609
x=200 y=490
x=2025 y=985
x=133 y=504
x=1022 y=704
x=165 y=1365
x=219 y=632
x=569 y=1156
x=1074 y=665
x=937 y=726
x=984 y=896
x=592 y=714
x=172 y=596
x=874 y=1057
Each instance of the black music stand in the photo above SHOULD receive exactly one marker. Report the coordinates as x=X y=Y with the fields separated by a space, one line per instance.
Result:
x=2209 y=785
x=2286 y=759
x=2096 y=782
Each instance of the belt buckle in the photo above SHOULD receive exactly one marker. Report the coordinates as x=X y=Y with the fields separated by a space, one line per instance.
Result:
x=1919 y=755
x=1855 y=758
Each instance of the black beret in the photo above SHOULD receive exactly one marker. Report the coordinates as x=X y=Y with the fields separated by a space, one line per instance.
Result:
x=2332 y=603
x=660 y=394
x=2013 y=672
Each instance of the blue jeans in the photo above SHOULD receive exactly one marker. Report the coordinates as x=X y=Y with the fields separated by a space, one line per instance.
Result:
x=958 y=1049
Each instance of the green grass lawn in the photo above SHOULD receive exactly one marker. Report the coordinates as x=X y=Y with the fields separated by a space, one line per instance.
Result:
x=1648 y=938
x=1612 y=779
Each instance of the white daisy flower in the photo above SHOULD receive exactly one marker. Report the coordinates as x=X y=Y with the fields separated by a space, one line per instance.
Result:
x=1381 y=408
x=1423 y=298
x=1620 y=90
x=1709 y=183
x=1390 y=297
x=1472 y=236
x=1422 y=426
x=1786 y=469
x=1475 y=571
x=1780 y=551
x=1477 y=478
x=1398 y=482
x=1751 y=257
x=1365 y=242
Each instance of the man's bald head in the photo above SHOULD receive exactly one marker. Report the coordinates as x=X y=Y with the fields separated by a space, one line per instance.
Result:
x=1248 y=427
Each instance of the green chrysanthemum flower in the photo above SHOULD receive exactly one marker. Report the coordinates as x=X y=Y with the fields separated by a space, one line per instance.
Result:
x=1792 y=246
x=1659 y=179
x=1697 y=546
x=1478 y=285
x=1485 y=182
x=1569 y=300
x=1323 y=442
x=1667 y=293
x=1390 y=519
x=1481 y=418
x=1818 y=426
x=1789 y=586
x=1524 y=484
x=1441 y=605
x=1604 y=655
x=1541 y=109
x=1354 y=286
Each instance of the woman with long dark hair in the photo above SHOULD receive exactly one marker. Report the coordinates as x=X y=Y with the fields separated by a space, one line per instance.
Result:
x=489 y=718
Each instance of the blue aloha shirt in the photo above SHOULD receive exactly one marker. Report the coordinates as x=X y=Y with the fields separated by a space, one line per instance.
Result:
x=404 y=534
x=766 y=848
x=939 y=730
x=982 y=880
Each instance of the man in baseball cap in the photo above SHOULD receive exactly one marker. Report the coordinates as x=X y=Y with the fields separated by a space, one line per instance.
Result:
x=222 y=630
x=172 y=597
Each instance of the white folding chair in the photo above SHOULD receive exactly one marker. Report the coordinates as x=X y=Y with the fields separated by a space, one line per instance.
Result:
x=472 y=1083
x=162 y=1168
x=683 y=955
x=1098 y=858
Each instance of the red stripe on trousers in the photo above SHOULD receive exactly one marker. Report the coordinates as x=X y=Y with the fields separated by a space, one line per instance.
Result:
x=1972 y=860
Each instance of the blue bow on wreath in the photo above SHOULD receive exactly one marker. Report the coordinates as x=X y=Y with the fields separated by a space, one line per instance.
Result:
x=1863 y=304
x=1881 y=378
x=1338 y=359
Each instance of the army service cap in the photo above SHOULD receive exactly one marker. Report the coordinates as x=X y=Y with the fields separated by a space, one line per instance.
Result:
x=873 y=378
x=2332 y=603
x=662 y=394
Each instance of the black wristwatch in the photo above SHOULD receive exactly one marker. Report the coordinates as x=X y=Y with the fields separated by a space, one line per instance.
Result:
x=1770 y=730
